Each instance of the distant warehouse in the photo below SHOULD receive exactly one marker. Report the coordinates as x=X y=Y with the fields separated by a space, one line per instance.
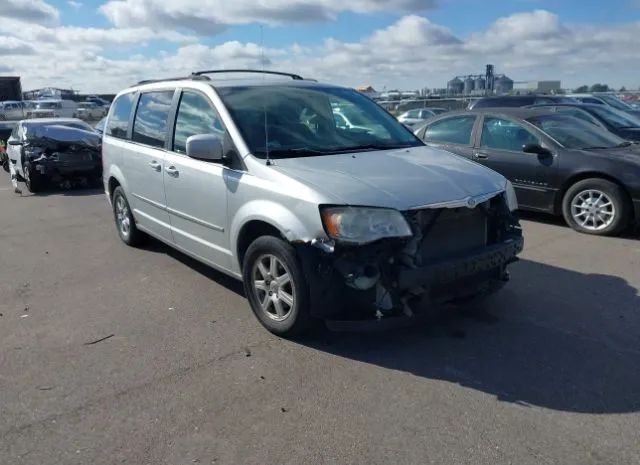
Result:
x=542 y=87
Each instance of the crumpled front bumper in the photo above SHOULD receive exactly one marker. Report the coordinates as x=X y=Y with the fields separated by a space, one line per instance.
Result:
x=441 y=272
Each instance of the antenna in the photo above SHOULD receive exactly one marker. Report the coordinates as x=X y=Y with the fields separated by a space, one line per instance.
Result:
x=266 y=126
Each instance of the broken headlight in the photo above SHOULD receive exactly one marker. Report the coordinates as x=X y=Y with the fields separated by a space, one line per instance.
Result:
x=510 y=196
x=360 y=225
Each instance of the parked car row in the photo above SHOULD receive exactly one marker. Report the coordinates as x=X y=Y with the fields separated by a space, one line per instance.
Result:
x=52 y=108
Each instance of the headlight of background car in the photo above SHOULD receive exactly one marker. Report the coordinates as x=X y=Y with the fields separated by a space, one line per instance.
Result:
x=359 y=225
x=510 y=194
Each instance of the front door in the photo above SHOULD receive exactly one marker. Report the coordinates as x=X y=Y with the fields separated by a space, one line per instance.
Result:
x=143 y=162
x=196 y=190
x=500 y=148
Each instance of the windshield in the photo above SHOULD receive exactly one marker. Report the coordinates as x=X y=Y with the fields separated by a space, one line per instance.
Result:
x=573 y=133
x=30 y=128
x=616 y=118
x=47 y=105
x=615 y=102
x=308 y=121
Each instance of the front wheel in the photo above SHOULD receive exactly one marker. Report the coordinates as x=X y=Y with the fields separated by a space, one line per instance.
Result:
x=596 y=206
x=276 y=287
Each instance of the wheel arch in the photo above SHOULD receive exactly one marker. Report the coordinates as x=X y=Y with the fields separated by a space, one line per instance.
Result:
x=264 y=217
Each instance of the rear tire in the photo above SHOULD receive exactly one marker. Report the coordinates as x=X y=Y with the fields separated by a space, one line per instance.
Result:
x=276 y=287
x=33 y=180
x=125 y=223
x=596 y=206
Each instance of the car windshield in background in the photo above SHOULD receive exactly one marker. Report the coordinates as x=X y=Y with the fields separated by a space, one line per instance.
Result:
x=576 y=134
x=616 y=118
x=290 y=121
x=47 y=105
x=30 y=127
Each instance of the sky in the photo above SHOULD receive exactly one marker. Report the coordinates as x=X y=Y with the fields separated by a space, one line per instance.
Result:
x=103 y=46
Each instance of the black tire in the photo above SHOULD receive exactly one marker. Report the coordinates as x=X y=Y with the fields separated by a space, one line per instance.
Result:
x=33 y=180
x=5 y=164
x=298 y=319
x=615 y=194
x=133 y=236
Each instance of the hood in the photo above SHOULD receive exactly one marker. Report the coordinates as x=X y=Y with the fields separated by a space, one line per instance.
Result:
x=630 y=153
x=400 y=179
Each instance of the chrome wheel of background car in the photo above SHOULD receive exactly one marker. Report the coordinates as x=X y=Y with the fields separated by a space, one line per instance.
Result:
x=593 y=209
x=122 y=216
x=272 y=286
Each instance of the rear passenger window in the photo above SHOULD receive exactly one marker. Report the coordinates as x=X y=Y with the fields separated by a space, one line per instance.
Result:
x=119 y=118
x=195 y=116
x=456 y=130
x=150 y=124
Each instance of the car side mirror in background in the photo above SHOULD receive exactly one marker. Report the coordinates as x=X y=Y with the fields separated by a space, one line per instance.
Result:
x=15 y=142
x=537 y=149
x=205 y=147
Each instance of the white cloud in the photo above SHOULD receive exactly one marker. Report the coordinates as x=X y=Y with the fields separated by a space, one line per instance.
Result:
x=210 y=16
x=74 y=4
x=36 y=11
x=412 y=52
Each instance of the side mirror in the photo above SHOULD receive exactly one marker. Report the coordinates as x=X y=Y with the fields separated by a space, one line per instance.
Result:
x=205 y=147
x=537 y=149
x=15 y=142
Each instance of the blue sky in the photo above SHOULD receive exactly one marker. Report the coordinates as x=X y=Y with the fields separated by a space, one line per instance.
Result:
x=389 y=43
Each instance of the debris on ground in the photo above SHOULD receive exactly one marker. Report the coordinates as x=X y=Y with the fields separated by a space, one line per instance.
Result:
x=99 y=340
x=247 y=352
x=45 y=388
x=284 y=410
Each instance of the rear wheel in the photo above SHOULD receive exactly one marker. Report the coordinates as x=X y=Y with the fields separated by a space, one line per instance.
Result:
x=276 y=287
x=125 y=223
x=596 y=206
x=32 y=178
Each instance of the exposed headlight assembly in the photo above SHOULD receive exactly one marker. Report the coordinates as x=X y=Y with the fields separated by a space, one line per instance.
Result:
x=360 y=225
x=510 y=195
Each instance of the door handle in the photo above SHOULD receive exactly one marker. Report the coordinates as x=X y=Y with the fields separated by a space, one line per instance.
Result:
x=172 y=171
x=480 y=155
x=155 y=165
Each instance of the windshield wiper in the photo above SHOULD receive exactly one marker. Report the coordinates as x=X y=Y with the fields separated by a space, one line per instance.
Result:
x=626 y=143
x=293 y=152
x=364 y=147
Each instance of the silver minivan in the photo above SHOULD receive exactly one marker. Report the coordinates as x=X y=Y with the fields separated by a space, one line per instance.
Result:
x=260 y=179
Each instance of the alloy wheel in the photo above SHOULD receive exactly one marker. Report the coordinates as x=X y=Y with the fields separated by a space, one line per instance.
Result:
x=272 y=286
x=592 y=209
x=122 y=216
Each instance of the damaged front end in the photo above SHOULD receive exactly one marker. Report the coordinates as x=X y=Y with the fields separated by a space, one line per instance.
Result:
x=453 y=253
x=62 y=154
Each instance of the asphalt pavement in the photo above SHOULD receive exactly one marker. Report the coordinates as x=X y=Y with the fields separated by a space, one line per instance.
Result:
x=110 y=355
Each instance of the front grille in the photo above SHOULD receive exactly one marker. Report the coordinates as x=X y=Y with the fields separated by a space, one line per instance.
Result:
x=448 y=233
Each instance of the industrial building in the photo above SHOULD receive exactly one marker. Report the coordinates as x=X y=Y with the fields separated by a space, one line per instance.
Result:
x=480 y=84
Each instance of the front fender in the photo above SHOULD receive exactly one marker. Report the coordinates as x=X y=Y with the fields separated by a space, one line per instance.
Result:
x=292 y=227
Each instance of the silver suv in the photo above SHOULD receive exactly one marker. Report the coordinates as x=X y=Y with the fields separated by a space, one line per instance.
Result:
x=260 y=179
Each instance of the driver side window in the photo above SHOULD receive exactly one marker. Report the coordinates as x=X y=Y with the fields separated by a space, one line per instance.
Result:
x=195 y=116
x=503 y=134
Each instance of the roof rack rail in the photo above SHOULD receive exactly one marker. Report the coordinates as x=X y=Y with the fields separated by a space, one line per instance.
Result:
x=181 y=78
x=295 y=77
